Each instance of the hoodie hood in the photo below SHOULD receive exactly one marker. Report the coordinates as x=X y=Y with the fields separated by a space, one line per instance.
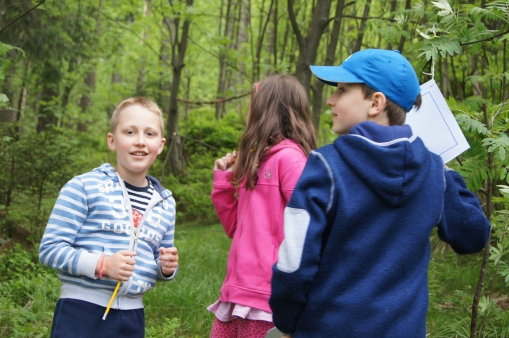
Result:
x=285 y=144
x=391 y=160
x=108 y=170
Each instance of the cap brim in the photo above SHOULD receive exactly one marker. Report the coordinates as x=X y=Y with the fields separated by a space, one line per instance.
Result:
x=331 y=75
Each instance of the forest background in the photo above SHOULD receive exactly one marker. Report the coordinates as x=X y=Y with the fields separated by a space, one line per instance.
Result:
x=64 y=65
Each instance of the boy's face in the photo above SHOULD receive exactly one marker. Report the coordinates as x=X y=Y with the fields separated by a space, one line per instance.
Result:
x=137 y=141
x=348 y=107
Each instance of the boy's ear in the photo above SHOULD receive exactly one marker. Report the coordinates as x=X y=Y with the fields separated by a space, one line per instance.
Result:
x=161 y=146
x=378 y=103
x=111 y=141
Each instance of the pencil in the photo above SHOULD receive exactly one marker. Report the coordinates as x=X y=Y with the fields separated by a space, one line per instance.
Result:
x=111 y=300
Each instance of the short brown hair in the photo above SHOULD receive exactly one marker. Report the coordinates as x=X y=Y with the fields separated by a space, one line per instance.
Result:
x=395 y=113
x=136 y=101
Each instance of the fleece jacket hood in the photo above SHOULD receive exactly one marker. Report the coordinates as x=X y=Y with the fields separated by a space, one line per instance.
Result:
x=388 y=163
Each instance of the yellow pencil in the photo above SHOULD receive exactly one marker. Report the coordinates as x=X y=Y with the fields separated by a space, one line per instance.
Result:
x=111 y=300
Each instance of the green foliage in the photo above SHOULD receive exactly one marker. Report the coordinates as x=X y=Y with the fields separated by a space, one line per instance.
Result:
x=167 y=329
x=28 y=293
x=206 y=140
x=37 y=165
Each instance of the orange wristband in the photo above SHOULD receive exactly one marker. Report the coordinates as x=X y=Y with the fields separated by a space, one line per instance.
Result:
x=101 y=268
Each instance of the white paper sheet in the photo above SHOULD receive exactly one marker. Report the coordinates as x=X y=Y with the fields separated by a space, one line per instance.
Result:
x=435 y=124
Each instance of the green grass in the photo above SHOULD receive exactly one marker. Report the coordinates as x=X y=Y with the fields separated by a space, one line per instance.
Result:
x=203 y=251
x=178 y=309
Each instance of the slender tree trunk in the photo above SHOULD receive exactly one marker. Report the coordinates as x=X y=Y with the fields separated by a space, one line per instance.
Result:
x=401 y=44
x=51 y=81
x=360 y=35
x=69 y=85
x=221 y=83
x=317 y=87
x=259 y=46
x=243 y=39
x=391 y=14
x=446 y=82
x=116 y=78
x=177 y=65
x=486 y=254
x=86 y=101
x=457 y=85
x=308 y=45
x=9 y=114
x=142 y=71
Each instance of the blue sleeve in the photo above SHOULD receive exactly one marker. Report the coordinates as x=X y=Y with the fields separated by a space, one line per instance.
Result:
x=463 y=224
x=168 y=239
x=305 y=221
x=67 y=218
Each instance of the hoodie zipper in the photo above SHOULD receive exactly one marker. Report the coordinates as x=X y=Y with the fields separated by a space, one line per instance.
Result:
x=136 y=230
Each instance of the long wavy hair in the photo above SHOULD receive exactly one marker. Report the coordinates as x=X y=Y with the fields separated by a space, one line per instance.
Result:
x=279 y=109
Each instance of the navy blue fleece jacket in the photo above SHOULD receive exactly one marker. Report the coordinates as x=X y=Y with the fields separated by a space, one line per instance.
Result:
x=356 y=250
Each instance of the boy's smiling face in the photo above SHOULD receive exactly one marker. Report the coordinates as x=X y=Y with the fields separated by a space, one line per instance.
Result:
x=137 y=140
x=348 y=107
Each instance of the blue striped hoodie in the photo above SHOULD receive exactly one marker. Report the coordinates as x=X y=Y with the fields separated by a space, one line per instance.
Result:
x=91 y=217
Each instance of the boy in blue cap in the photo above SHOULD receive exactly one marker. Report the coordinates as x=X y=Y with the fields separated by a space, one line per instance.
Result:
x=356 y=250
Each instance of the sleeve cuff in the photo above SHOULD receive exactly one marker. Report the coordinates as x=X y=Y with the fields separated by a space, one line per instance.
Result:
x=222 y=177
x=160 y=275
x=87 y=263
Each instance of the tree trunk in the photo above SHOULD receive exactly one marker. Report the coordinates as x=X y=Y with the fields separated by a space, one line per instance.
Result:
x=360 y=35
x=486 y=253
x=221 y=83
x=51 y=77
x=173 y=119
x=308 y=45
x=69 y=85
x=391 y=14
x=9 y=114
x=116 y=77
x=402 y=41
x=261 y=36
x=142 y=71
x=317 y=87
x=86 y=101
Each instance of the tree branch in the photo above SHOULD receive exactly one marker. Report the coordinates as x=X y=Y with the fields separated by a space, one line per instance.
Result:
x=484 y=40
x=22 y=15
x=215 y=101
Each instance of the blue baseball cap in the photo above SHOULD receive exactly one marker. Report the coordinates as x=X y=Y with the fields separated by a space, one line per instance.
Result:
x=385 y=71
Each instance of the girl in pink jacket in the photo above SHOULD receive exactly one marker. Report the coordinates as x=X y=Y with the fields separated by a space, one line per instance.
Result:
x=251 y=189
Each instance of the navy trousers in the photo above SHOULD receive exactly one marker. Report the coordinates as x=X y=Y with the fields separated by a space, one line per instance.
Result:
x=80 y=319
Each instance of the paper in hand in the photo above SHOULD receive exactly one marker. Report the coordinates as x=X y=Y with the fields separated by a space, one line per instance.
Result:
x=435 y=124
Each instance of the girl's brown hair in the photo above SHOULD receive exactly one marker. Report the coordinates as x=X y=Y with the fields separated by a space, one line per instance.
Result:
x=279 y=109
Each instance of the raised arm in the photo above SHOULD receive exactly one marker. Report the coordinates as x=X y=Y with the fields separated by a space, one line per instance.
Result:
x=463 y=224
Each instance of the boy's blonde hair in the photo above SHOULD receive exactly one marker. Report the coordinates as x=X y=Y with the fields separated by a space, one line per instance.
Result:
x=136 y=101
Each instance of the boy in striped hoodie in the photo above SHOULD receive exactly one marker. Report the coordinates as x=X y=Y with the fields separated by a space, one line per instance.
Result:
x=110 y=226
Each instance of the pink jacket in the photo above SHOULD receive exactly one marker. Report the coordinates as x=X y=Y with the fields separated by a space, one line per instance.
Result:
x=254 y=221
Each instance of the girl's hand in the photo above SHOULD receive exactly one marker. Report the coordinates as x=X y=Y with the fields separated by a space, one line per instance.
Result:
x=226 y=162
x=120 y=265
x=169 y=259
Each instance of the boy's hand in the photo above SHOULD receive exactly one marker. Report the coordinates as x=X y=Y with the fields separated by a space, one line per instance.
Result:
x=119 y=266
x=226 y=162
x=169 y=259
